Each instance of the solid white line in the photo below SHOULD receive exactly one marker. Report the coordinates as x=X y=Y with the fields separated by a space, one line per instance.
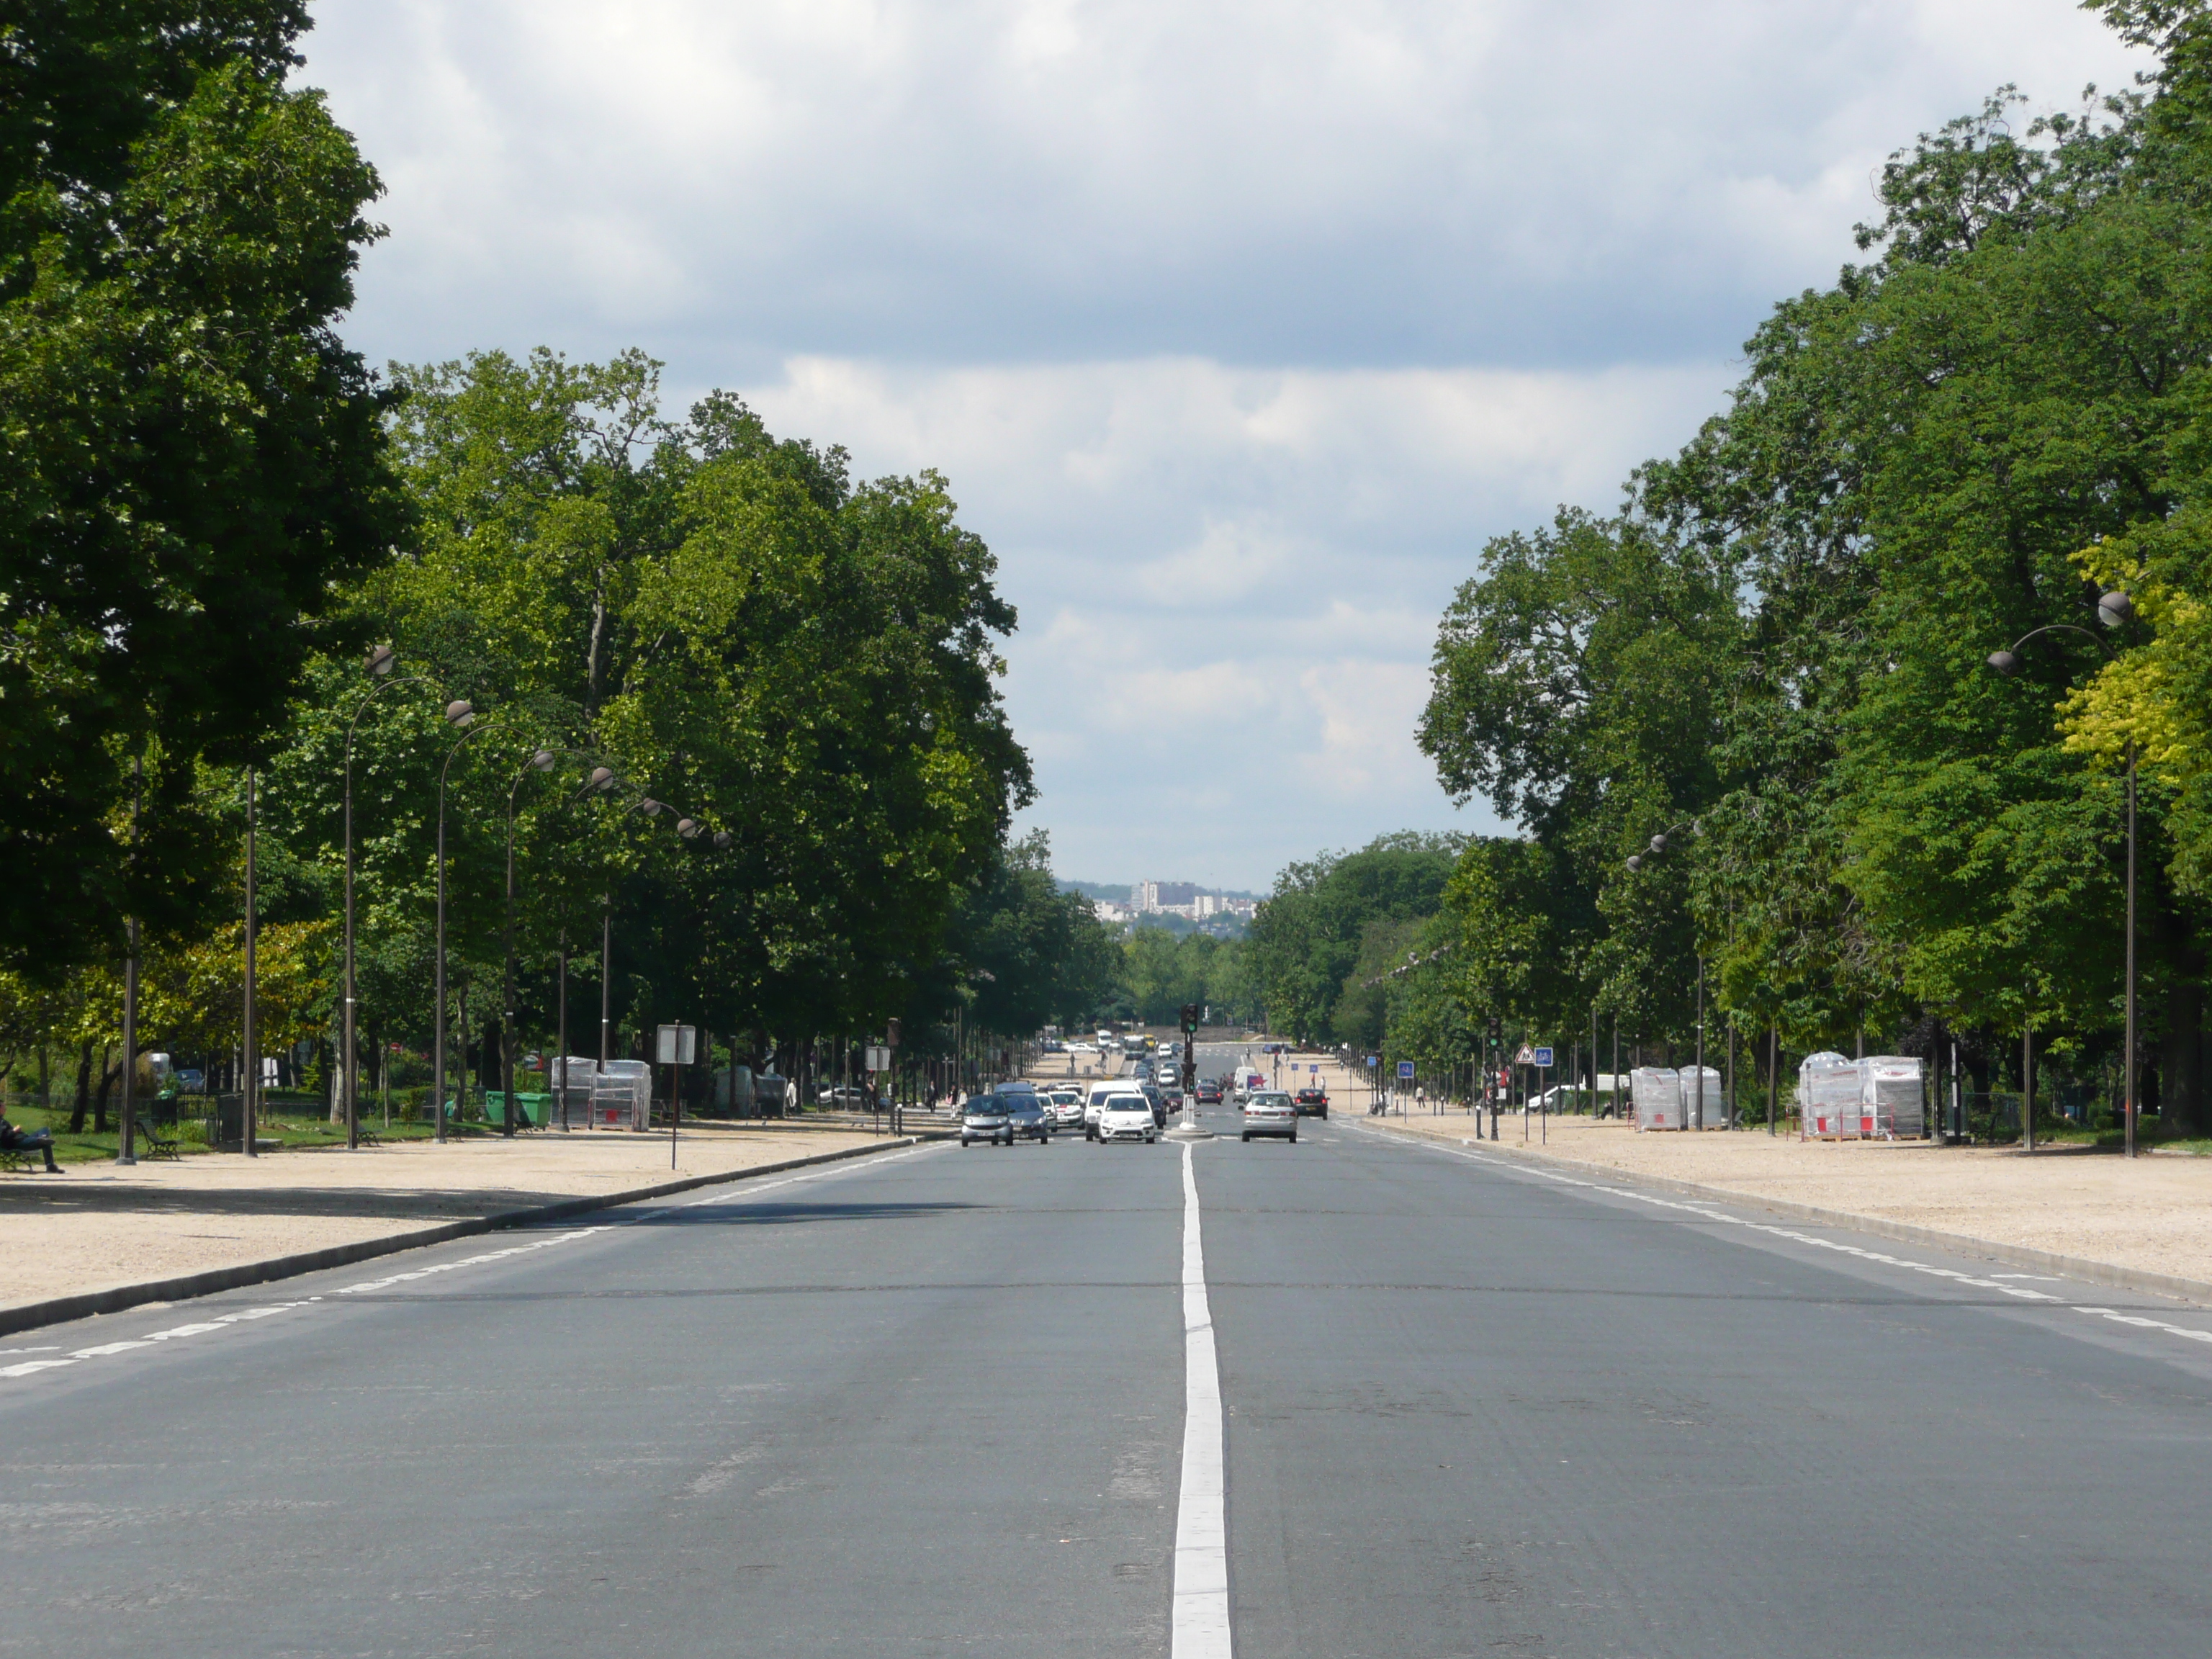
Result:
x=1704 y=1211
x=1200 y=1627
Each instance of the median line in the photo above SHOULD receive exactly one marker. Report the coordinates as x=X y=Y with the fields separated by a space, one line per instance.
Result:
x=1200 y=1625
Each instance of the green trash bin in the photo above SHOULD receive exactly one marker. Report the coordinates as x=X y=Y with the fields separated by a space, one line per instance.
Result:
x=537 y=1110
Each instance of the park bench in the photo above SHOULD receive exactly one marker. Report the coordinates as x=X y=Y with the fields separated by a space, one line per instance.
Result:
x=23 y=1160
x=153 y=1143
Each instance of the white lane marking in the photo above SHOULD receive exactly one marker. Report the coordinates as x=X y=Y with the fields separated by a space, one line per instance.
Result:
x=109 y=1350
x=1705 y=1211
x=1200 y=1627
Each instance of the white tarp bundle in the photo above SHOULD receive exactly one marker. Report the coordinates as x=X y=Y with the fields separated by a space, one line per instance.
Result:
x=1840 y=1099
x=622 y=1096
x=1893 y=1096
x=1827 y=1097
x=1656 y=1095
x=572 y=1079
x=1715 y=1113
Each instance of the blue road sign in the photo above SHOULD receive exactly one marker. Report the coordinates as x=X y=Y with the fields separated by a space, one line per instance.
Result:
x=1406 y=1070
x=1543 y=1056
x=1371 y=1062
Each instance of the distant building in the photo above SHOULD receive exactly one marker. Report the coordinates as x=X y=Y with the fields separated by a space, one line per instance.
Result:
x=1169 y=896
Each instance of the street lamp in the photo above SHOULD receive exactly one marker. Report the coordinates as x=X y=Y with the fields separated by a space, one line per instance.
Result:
x=2114 y=609
x=379 y=663
x=462 y=717
x=1635 y=861
x=540 y=760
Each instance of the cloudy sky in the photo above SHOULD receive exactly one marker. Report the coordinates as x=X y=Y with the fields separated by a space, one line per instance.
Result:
x=1236 y=326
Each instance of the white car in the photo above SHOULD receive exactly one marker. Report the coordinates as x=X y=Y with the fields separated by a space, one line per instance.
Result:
x=1270 y=1112
x=1094 y=1102
x=1082 y=1047
x=1127 y=1117
x=1067 y=1109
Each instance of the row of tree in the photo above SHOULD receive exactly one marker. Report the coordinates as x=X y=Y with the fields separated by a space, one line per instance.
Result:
x=1751 y=721
x=211 y=511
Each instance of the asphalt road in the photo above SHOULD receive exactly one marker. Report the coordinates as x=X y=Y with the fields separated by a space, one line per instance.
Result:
x=934 y=1403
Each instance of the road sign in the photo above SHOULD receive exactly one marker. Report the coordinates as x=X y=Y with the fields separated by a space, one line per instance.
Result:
x=1526 y=1057
x=879 y=1059
x=1371 y=1062
x=1313 y=1071
x=1406 y=1071
x=1543 y=1057
x=676 y=1045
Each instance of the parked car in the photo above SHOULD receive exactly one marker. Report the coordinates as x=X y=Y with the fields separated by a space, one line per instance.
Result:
x=987 y=1117
x=1312 y=1103
x=1127 y=1117
x=1270 y=1112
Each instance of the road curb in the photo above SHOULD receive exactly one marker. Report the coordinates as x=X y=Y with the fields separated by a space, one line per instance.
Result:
x=2107 y=1274
x=116 y=1298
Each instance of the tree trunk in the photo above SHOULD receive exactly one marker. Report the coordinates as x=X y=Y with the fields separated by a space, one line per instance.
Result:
x=108 y=1075
x=2184 y=1107
x=83 y=1089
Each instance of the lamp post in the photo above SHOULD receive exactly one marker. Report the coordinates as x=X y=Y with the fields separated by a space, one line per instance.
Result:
x=2114 y=609
x=541 y=759
x=379 y=663
x=1657 y=848
x=462 y=717
x=249 y=1037
x=600 y=778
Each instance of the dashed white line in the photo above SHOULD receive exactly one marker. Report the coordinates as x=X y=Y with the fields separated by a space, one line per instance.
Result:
x=223 y=1321
x=1706 y=1211
x=1199 y=1621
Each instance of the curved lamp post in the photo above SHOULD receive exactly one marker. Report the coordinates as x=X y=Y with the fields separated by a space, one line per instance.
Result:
x=2114 y=609
x=1657 y=848
x=463 y=718
x=379 y=663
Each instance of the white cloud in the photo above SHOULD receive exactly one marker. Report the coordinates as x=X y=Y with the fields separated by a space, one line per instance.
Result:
x=1237 y=325
x=1258 y=180
x=1230 y=578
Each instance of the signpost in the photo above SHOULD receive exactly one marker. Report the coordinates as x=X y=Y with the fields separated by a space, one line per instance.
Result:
x=675 y=1047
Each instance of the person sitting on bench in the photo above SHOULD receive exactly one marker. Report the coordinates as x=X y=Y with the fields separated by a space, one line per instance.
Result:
x=14 y=1140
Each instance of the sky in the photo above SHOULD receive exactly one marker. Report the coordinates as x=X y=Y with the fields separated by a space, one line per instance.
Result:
x=1238 y=328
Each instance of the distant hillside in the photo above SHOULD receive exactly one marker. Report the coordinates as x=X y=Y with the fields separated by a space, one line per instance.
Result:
x=1105 y=890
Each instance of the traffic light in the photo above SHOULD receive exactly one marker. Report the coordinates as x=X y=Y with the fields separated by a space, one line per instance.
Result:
x=1190 y=1018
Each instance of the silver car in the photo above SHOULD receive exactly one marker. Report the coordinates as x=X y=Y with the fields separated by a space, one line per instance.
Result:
x=1270 y=1112
x=987 y=1117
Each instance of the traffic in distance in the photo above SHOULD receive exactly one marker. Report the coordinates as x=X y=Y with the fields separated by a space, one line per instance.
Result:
x=1138 y=1102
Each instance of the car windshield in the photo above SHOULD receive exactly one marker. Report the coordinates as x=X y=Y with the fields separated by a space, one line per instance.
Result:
x=1128 y=1104
x=987 y=1108
x=1271 y=1100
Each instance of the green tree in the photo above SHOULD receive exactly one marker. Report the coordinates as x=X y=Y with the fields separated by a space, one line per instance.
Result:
x=193 y=473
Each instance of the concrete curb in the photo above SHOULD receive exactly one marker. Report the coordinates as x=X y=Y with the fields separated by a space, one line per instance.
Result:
x=59 y=1310
x=2106 y=1273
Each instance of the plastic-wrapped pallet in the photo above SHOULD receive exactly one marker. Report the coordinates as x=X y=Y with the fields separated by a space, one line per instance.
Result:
x=622 y=1096
x=1892 y=1095
x=1828 y=1104
x=1716 y=1111
x=572 y=1077
x=1657 y=1096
